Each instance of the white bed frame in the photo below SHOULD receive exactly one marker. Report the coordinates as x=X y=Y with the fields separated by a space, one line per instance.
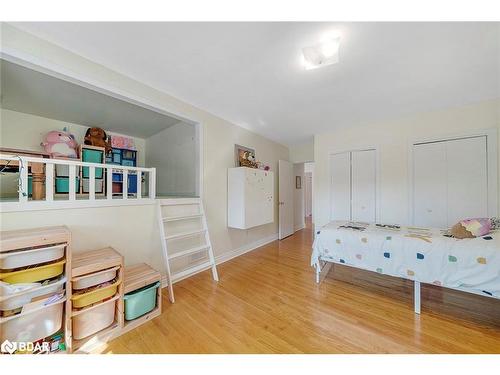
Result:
x=321 y=273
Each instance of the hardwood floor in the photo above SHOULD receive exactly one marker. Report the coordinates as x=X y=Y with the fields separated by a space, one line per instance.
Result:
x=267 y=302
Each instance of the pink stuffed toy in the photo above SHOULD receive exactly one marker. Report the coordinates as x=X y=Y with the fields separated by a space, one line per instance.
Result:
x=60 y=143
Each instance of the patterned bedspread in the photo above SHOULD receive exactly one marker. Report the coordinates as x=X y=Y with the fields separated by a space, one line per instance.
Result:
x=420 y=254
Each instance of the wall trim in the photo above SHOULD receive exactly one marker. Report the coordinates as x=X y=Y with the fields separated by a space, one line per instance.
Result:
x=229 y=255
x=299 y=227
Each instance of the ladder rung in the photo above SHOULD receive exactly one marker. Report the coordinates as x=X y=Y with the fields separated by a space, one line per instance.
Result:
x=187 y=252
x=186 y=217
x=184 y=234
x=190 y=271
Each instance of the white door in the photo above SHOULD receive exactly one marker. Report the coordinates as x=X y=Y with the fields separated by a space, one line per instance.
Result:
x=363 y=186
x=467 y=179
x=286 y=188
x=430 y=186
x=340 y=186
x=308 y=193
x=450 y=181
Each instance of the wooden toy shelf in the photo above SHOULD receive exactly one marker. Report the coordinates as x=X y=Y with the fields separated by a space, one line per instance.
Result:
x=27 y=245
x=94 y=262
x=136 y=277
x=92 y=280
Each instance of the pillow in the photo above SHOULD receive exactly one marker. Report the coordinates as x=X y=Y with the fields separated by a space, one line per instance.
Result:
x=470 y=228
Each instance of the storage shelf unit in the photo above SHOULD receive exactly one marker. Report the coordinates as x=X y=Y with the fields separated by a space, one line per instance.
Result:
x=136 y=277
x=93 y=262
x=33 y=245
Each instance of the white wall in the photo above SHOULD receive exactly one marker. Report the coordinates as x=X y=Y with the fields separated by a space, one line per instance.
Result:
x=392 y=139
x=174 y=154
x=219 y=137
x=298 y=196
x=303 y=152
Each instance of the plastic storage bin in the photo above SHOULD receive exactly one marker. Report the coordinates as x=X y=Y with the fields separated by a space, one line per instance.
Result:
x=19 y=299
x=32 y=275
x=62 y=184
x=93 y=296
x=93 y=279
x=33 y=325
x=93 y=319
x=24 y=258
x=140 y=301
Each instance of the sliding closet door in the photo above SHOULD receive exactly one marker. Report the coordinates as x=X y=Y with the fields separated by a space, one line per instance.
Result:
x=467 y=179
x=430 y=191
x=450 y=181
x=340 y=186
x=363 y=190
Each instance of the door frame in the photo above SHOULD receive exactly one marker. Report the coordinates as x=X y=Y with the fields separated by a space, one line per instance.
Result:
x=491 y=135
x=377 y=177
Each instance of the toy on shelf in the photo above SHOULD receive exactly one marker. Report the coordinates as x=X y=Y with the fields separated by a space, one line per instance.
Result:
x=97 y=137
x=121 y=142
x=60 y=144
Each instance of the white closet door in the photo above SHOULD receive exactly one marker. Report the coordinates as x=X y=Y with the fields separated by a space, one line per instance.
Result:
x=467 y=179
x=430 y=190
x=363 y=176
x=340 y=186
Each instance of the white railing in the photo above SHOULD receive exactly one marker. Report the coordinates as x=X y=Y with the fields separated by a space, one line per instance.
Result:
x=75 y=197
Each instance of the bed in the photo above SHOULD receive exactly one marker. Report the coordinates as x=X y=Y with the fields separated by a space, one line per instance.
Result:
x=424 y=255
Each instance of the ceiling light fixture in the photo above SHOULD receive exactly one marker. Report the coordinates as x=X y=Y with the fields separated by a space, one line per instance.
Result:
x=322 y=54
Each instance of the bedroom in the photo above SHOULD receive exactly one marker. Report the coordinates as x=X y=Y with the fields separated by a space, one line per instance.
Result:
x=260 y=187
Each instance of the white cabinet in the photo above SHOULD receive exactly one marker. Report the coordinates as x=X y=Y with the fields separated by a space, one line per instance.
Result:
x=450 y=181
x=250 y=197
x=353 y=186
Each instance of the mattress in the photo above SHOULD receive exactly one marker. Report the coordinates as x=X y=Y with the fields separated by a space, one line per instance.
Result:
x=427 y=255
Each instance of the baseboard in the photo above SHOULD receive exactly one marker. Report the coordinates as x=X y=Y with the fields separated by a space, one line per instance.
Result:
x=299 y=227
x=230 y=255
x=245 y=249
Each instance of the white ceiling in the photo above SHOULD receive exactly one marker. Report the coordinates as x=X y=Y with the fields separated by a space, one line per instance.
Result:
x=250 y=73
x=28 y=91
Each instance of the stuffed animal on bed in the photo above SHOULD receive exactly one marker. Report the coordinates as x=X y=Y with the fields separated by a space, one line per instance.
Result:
x=97 y=137
x=471 y=228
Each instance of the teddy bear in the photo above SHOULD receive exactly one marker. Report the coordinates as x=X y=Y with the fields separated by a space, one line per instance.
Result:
x=60 y=144
x=97 y=137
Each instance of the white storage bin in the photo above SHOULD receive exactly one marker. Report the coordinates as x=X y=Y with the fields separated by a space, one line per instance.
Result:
x=33 y=325
x=95 y=278
x=24 y=258
x=16 y=300
x=93 y=319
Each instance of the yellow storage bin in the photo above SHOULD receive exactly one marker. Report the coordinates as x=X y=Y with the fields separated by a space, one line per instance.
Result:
x=96 y=295
x=32 y=275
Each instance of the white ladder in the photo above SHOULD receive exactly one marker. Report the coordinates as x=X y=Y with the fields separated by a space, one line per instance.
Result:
x=194 y=211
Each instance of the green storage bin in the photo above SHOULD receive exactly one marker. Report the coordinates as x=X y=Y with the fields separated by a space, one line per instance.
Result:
x=140 y=301
x=92 y=156
x=62 y=184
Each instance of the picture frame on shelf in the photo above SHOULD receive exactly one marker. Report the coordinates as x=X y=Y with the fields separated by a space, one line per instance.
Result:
x=239 y=153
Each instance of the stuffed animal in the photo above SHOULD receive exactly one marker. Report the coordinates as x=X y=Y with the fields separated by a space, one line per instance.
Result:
x=97 y=137
x=471 y=228
x=60 y=143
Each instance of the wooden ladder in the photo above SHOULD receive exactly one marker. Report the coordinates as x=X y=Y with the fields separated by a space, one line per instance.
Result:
x=179 y=211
